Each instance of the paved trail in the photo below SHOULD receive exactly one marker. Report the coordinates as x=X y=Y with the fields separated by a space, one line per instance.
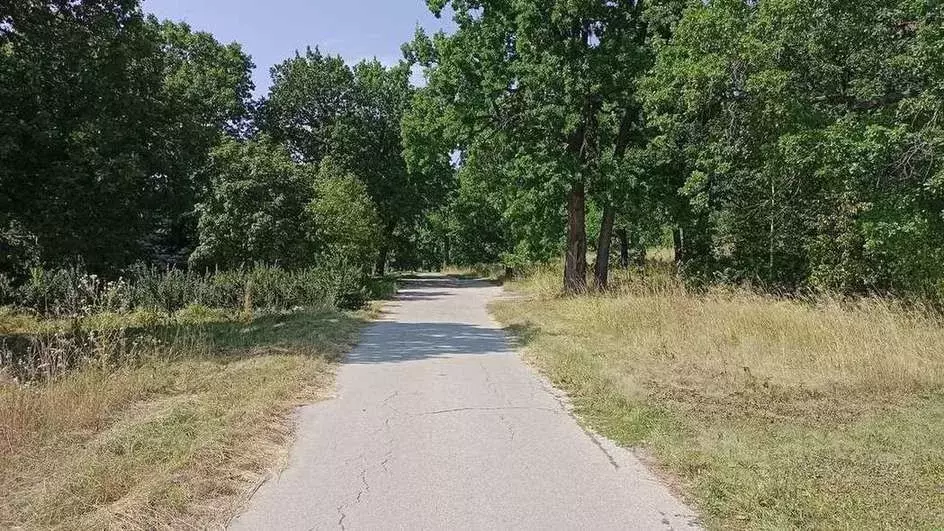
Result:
x=439 y=425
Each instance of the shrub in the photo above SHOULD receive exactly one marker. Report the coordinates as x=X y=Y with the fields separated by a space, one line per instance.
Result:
x=70 y=292
x=7 y=291
x=59 y=291
x=223 y=289
x=166 y=290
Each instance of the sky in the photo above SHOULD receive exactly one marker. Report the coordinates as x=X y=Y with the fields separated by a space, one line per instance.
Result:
x=272 y=30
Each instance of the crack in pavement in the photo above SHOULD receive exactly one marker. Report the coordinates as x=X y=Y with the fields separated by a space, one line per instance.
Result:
x=389 y=398
x=488 y=380
x=439 y=424
x=508 y=425
x=365 y=488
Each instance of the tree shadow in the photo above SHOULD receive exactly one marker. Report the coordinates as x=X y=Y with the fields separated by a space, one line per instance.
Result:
x=392 y=342
x=421 y=295
x=522 y=334
x=418 y=283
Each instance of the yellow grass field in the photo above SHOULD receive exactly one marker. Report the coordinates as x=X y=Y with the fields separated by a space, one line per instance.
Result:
x=766 y=412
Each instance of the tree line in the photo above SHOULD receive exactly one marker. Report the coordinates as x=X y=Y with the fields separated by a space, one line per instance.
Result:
x=790 y=144
x=124 y=139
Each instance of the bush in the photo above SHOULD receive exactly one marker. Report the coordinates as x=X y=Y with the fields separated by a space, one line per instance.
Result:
x=70 y=292
x=59 y=291
x=166 y=290
x=7 y=291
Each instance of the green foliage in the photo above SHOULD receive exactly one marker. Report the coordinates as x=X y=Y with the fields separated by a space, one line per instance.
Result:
x=787 y=143
x=77 y=127
x=73 y=292
x=164 y=290
x=310 y=96
x=253 y=210
x=548 y=88
x=806 y=134
x=343 y=218
x=322 y=108
x=207 y=91
x=106 y=119
x=19 y=250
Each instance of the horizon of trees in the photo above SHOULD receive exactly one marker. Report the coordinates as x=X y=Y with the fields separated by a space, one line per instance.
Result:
x=788 y=144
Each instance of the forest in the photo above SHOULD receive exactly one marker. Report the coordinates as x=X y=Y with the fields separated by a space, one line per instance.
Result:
x=745 y=183
x=786 y=145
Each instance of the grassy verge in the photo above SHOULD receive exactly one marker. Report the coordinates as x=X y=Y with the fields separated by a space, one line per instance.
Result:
x=176 y=437
x=490 y=272
x=768 y=413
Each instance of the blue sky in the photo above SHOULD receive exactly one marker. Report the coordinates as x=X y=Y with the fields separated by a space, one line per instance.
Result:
x=271 y=30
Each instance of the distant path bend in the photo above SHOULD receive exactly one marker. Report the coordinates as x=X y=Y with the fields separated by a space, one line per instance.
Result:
x=438 y=424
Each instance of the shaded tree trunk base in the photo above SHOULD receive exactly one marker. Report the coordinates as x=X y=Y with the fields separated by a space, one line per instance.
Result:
x=575 y=263
x=623 y=238
x=601 y=270
x=380 y=267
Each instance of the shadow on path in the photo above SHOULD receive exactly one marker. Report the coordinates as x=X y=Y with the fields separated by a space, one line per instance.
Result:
x=418 y=283
x=388 y=342
x=421 y=295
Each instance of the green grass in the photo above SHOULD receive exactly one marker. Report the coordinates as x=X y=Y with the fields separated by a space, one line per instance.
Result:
x=766 y=413
x=172 y=438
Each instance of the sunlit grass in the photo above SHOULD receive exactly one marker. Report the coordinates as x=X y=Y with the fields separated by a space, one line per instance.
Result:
x=173 y=439
x=773 y=413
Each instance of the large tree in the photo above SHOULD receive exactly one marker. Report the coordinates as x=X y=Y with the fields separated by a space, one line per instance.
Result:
x=553 y=82
x=321 y=107
x=807 y=138
x=207 y=98
x=255 y=209
x=107 y=118
x=80 y=92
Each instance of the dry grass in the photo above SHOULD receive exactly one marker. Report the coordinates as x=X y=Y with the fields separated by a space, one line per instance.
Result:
x=773 y=413
x=491 y=272
x=173 y=441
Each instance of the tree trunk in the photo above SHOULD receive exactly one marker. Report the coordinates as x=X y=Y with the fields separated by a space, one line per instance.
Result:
x=623 y=238
x=380 y=267
x=601 y=271
x=575 y=264
x=678 y=238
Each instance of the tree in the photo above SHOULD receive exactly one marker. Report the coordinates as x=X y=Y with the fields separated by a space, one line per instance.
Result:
x=311 y=95
x=548 y=78
x=806 y=137
x=322 y=108
x=256 y=207
x=207 y=92
x=80 y=94
x=343 y=218
x=106 y=122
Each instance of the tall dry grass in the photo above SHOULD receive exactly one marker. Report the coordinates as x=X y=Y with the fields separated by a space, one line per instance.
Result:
x=171 y=438
x=769 y=412
x=722 y=339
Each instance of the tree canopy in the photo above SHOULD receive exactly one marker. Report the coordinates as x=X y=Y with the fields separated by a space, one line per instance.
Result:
x=790 y=144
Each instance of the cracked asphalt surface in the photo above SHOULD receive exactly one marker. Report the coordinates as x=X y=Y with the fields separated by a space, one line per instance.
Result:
x=438 y=424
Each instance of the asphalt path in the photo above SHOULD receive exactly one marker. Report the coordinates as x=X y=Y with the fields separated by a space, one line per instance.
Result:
x=439 y=424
